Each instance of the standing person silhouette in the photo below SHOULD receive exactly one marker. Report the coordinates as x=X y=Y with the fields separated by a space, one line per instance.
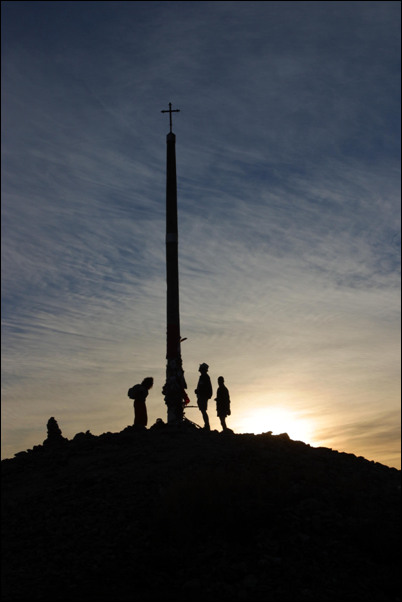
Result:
x=139 y=393
x=204 y=392
x=222 y=403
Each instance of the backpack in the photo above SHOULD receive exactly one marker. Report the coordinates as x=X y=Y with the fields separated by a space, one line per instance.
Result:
x=133 y=391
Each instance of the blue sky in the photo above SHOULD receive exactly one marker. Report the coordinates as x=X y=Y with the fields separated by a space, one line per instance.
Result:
x=288 y=160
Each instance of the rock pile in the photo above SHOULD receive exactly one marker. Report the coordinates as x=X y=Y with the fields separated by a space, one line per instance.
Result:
x=177 y=513
x=54 y=436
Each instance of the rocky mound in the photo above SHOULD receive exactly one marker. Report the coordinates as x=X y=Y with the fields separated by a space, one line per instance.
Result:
x=177 y=513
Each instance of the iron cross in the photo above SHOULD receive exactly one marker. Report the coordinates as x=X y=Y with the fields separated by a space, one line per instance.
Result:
x=170 y=111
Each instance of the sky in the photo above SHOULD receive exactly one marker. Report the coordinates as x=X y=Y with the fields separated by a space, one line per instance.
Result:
x=288 y=175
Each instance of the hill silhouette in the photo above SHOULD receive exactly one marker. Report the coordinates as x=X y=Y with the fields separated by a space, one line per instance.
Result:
x=177 y=513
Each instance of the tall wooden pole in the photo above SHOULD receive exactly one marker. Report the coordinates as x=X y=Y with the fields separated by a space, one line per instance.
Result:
x=172 y=255
x=174 y=389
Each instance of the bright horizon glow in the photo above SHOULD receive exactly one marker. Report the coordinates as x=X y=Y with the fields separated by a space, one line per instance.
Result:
x=278 y=420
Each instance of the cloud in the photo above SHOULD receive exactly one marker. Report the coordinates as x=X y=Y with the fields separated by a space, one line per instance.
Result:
x=378 y=435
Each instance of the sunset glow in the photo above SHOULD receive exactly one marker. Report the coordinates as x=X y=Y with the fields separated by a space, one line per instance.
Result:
x=278 y=420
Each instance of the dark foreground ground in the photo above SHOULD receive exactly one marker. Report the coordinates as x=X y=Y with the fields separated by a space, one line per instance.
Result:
x=181 y=514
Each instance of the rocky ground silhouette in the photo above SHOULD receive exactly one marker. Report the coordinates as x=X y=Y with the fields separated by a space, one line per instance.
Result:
x=177 y=513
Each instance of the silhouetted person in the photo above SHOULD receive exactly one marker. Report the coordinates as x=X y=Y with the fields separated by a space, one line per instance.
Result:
x=139 y=393
x=222 y=403
x=175 y=397
x=204 y=392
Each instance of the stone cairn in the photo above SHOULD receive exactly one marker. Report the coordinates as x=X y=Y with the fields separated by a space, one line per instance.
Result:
x=54 y=436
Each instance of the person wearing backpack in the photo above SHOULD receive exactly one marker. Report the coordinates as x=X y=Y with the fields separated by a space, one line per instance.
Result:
x=204 y=392
x=139 y=393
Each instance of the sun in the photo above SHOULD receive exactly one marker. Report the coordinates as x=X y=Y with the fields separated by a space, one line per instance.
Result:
x=278 y=420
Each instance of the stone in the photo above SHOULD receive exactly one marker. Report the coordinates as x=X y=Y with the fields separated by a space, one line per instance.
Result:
x=183 y=514
x=54 y=436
